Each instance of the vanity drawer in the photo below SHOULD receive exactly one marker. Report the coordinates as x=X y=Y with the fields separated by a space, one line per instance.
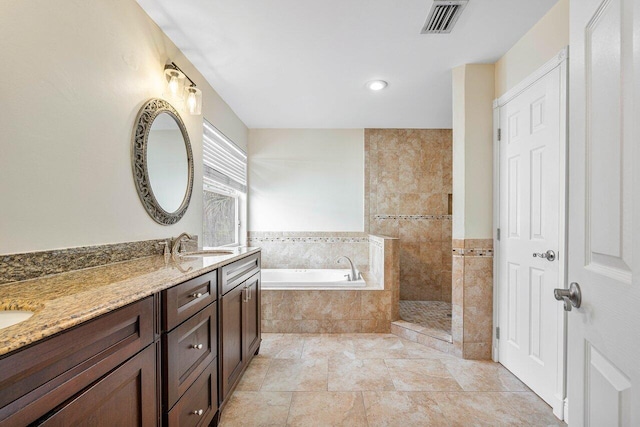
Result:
x=40 y=377
x=189 y=348
x=201 y=396
x=186 y=299
x=239 y=271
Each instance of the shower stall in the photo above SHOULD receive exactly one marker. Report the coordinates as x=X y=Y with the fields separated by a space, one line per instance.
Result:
x=409 y=188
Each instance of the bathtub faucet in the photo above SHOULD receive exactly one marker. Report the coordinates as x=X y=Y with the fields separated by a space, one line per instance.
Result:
x=355 y=274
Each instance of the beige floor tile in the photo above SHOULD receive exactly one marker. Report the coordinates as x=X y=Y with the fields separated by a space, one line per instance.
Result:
x=281 y=346
x=358 y=375
x=253 y=377
x=490 y=396
x=393 y=347
x=480 y=375
x=296 y=375
x=494 y=409
x=256 y=409
x=328 y=347
x=532 y=410
x=326 y=408
x=421 y=375
x=402 y=409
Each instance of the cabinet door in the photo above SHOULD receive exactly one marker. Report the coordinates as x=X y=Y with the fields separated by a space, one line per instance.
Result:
x=251 y=332
x=125 y=397
x=232 y=349
x=199 y=404
x=188 y=349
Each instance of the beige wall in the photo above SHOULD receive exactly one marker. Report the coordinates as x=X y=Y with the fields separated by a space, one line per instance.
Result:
x=458 y=170
x=537 y=46
x=306 y=180
x=77 y=73
x=473 y=91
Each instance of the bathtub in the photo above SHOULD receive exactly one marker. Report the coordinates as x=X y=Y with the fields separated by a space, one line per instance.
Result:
x=280 y=279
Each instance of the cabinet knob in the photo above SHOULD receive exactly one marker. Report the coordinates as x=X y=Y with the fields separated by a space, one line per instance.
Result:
x=198 y=412
x=196 y=346
x=196 y=295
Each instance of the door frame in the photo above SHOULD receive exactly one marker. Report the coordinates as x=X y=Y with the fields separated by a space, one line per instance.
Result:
x=559 y=60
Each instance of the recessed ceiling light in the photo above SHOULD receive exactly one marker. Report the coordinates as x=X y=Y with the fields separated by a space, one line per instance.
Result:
x=376 y=84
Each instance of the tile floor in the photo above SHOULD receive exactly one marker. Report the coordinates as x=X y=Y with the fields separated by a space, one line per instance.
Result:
x=376 y=380
x=434 y=317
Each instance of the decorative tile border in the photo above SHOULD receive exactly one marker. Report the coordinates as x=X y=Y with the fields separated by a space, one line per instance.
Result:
x=307 y=239
x=483 y=252
x=25 y=266
x=412 y=217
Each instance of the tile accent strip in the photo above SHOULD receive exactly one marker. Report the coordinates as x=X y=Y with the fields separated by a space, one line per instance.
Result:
x=483 y=252
x=413 y=217
x=30 y=265
x=308 y=239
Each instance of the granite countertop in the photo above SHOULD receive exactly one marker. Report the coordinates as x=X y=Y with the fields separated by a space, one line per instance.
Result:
x=61 y=301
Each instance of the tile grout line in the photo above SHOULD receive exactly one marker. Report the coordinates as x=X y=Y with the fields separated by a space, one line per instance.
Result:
x=364 y=408
x=265 y=375
x=286 y=423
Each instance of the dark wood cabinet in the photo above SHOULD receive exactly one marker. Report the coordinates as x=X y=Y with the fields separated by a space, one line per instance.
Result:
x=251 y=333
x=239 y=330
x=124 y=397
x=186 y=299
x=198 y=405
x=41 y=377
x=232 y=350
x=189 y=351
x=171 y=358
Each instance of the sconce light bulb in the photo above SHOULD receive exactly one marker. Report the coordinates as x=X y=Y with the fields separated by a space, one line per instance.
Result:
x=173 y=85
x=192 y=102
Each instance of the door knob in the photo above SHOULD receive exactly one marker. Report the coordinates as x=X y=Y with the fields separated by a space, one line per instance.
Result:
x=549 y=255
x=570 y=297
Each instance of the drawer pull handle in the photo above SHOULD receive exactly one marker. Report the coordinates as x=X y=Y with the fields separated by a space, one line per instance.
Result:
x=196 y=295
x=198 y=412
x=196 y=346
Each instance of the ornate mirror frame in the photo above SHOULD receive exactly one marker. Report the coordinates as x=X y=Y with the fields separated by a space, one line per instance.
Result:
x=147 y=114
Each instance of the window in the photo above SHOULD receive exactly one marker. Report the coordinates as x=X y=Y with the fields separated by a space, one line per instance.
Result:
x=224 y=189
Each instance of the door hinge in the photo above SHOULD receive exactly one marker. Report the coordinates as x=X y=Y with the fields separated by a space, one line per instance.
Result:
x=499 y=134
x=498 y=234
x=497 y=332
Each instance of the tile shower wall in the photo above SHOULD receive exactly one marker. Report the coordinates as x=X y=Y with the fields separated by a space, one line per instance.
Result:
x=408 y=179
x=282 y=249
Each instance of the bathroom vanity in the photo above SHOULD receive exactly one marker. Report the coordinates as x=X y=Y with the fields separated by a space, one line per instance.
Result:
x=155 y=344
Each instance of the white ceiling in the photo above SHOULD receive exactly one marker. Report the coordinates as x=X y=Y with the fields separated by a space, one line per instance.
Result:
x=303 y=64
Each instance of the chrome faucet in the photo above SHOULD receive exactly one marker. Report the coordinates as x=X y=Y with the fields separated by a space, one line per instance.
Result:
x=177 y=241
x=355 y=274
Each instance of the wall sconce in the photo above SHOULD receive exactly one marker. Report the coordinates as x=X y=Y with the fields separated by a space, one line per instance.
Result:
x=187 y=97
x=193 y=100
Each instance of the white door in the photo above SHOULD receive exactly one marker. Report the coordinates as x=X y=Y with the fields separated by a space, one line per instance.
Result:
x=532 y=205
x=603 y=357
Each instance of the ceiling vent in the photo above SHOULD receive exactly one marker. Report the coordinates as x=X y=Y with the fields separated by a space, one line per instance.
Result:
x=443 y=16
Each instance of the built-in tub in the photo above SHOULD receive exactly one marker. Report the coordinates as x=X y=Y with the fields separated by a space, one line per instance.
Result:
x=290 y=279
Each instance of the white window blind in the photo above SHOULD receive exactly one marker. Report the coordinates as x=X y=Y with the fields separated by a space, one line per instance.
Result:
x=225 y=164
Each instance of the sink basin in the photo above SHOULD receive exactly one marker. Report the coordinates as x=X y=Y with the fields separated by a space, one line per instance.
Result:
x=11 y=317
x=207 y=252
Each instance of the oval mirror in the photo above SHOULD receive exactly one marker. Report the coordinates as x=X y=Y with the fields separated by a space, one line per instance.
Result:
x=162 y=162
